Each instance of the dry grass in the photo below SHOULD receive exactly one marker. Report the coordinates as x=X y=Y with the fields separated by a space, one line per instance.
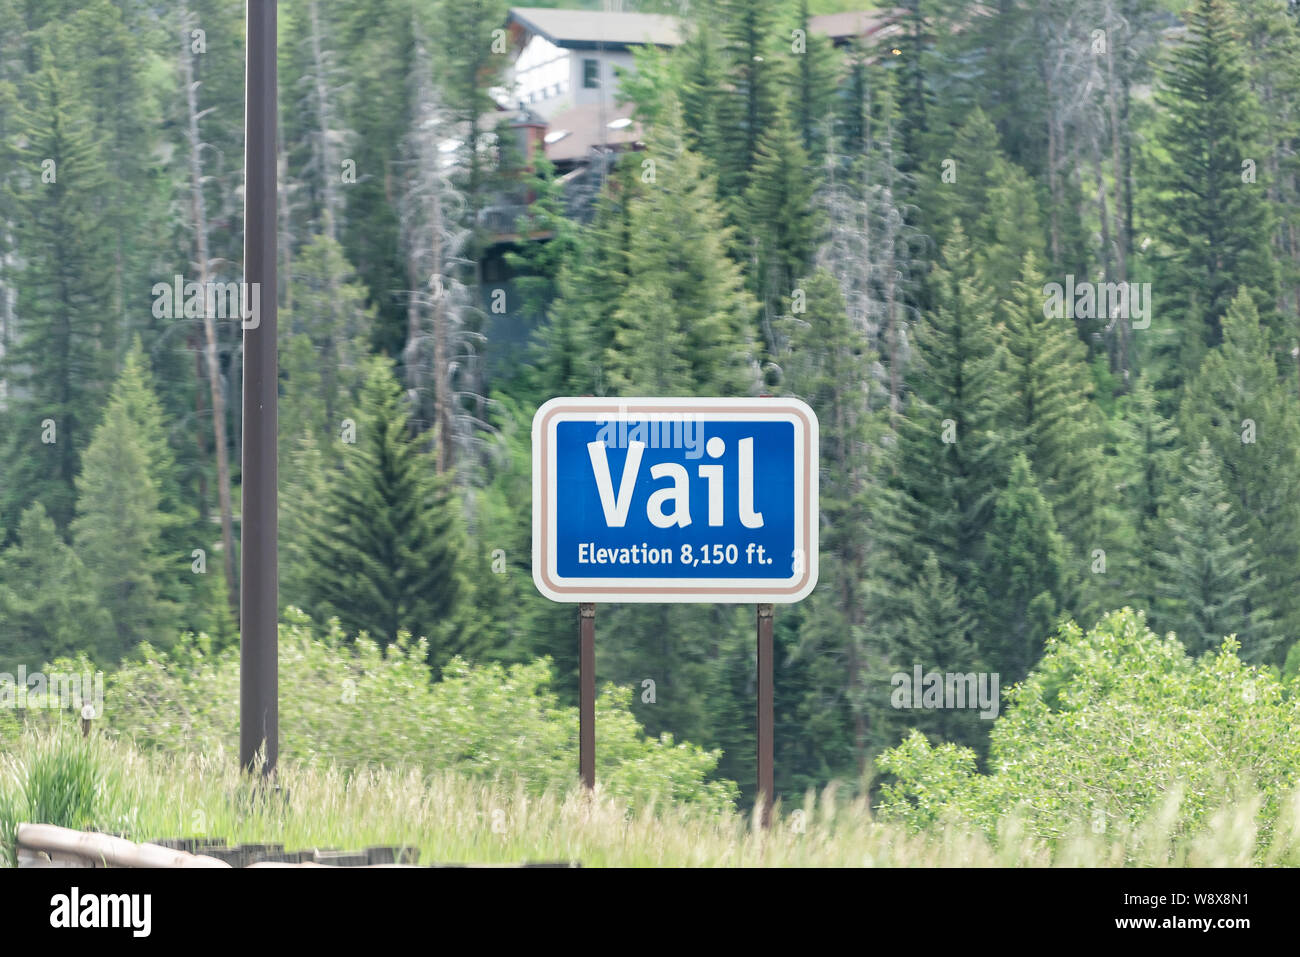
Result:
x=450 y=818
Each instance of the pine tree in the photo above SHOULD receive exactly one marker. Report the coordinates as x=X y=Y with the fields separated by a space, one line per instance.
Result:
x=385 y=553
x=570 y=349
x=703 y=88
x=442 y=313
x=1148 y=454
x=1209 y=584
x=1212 y=216
x=1271 y=56
x=555 y=238
x=59 y=368
x=949 y=468
x=324 y=340
x=1026 y=573
x=110 y=66
x=303 y=480
x=817 y=65
x=183 y=532
x=783 y=220
x=870 y=244
x=467 y=70
x=47 y=610
x=933 y=630
x=376 y=43
x=992 y=199
x=915 y=45
x=677 y=260
x=755 y=72
x=120 y=531
x=828 y=366
x=1052 y=417
x=1237 y=402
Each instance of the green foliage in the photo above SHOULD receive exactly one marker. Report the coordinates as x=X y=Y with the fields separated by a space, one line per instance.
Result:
x=570 y=349
x=57 y=368
x=384 y=555
x=45 y=605
x=1112 y=728
x=538 y=263
x=59 y=785
x=1025 y=575
x=683 y=323
x=992 y=201
x=1148 y=453
x=355 y=704
x=782 y=218
x=1251 y=420
x=120 y=530
x=1051 y=415
x=949 y=470
x=323 y=340
x=1208 y=571
x=1213 y=220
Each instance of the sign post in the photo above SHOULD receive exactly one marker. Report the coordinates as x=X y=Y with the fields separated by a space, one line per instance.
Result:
x=765 y=713
x=676 y=500
x=587 y=694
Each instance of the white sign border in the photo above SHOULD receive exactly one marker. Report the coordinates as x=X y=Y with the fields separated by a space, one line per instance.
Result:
x=669 y=590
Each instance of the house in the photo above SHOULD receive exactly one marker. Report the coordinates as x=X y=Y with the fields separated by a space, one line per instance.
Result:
x=569 y=58
x=560 y=93
x=863 y=26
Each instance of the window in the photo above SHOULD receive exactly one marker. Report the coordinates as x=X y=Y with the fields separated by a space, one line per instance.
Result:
x=590 y=74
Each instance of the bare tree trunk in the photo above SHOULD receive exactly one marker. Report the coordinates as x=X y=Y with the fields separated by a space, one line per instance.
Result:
x=200 y=416
x=1054 y=188
x=1123 y=221
x=198 y=211
x=441 y=399
x=1124 y=241
x=329 y=168
x=285 y=232
x=1116 y=326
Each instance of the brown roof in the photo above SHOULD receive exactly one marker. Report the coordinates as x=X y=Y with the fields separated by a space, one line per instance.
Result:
x=585 y=131
x=851 y=23
x=585 y=29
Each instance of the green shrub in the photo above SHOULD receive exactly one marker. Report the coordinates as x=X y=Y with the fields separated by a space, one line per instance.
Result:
x=61 y=783
x=353 y=704
x=54 y=778
x=1109 y=729
x=8 y=828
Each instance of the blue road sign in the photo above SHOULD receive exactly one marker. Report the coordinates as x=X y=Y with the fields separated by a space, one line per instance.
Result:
x=675 y=500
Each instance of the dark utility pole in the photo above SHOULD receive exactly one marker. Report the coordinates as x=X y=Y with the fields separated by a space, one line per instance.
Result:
x=259 y=712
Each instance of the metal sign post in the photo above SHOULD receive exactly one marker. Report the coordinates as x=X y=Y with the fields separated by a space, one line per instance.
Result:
x=676 y=500
x=587 y=694
x=765 y=713
x=259 y=716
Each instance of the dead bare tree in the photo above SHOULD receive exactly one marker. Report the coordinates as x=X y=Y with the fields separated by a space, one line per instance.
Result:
x=439 y=345
x=868 y=250
x=328 y=137
x=203 y=264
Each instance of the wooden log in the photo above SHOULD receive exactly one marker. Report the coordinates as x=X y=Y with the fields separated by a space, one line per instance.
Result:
x=103 y=850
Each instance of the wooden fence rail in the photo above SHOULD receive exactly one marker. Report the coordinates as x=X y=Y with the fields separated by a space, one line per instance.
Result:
x=45 y=845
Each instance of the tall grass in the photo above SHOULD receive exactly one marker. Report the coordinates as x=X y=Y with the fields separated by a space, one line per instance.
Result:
x=450 y=818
